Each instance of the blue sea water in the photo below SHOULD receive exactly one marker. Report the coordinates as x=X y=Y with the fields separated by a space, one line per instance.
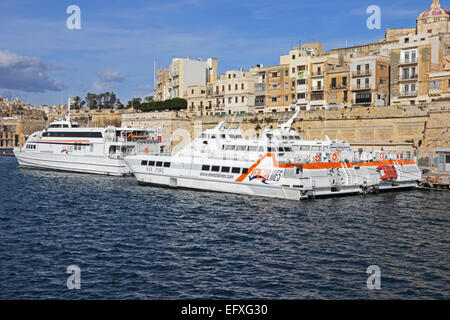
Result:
x=134 y=242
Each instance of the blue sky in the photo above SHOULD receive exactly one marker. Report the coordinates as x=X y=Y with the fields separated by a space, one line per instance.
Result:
x=44 y=62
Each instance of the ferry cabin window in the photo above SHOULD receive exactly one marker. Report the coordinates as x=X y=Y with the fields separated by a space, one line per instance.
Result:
x=205 y=168
x=288 y=149
x=159 y=163
x=244 y=171
x=252 y=148
x=241 y=148
x=305 y=148
x=151 y=163
x=73 y=134
x=270 y=149
x=144 y=162
x=281 y=149
x=261 y=149
x=166 y=164
x=315 y=148
x=222 y=136
x=215 y=168
x=226 y=169
x=229 y=148
x=236 y=170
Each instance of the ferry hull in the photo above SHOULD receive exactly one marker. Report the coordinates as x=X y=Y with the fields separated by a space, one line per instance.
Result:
x=275 y=191
x=82 y=164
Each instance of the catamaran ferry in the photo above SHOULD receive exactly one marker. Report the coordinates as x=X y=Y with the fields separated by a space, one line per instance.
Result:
x=65 y=146
x=376 y=170
x=221 y=159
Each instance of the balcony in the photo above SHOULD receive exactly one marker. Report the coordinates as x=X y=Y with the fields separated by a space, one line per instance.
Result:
x=260 y=88
x=407 y=77
x=408 y=61
x=174 y=74
x=317 y=88
x=361 y=73
x=408 y=93
x=301 y=88
x=360 y=87
x=317 y=74
x=362 y=101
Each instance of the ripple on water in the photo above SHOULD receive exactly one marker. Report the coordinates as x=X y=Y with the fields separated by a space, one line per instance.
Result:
x=134 y=242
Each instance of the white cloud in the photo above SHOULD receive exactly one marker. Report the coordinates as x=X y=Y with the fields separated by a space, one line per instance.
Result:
x=30 y=74
x=111 y=76
x=101 y=86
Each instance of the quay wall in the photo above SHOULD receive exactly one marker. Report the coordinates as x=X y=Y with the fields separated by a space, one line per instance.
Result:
x=421 y=128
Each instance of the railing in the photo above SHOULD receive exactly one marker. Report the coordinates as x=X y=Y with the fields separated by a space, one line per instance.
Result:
x=408 y=93
x=360 y=73
x=408 y=77
x=361 y=87
x=362 y=101
x=316 y=88
x=409 y=60
x=317 y=73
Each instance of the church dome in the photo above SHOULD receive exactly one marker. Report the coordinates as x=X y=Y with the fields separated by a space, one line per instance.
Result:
x=434 y=11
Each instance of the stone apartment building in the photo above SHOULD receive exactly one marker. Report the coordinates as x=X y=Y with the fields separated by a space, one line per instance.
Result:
x=161 y=86
x=173 y=82
x=338 y=83
x=369 y=80
x=278 y=88
x=235 y=92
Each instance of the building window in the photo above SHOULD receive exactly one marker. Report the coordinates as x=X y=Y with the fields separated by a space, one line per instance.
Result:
x=286 y=73
x=344 y=81
x=242 y=100
x=274 y=74
x=317 y=96
x=235 y=86
x=293 y=57
x=229 y=87
x=235 y=99
x=333 y=82
x=345 y=96
x=242 y=86
x=274 y=86
x=286 y=98
x=301 y=95
x=274 y=99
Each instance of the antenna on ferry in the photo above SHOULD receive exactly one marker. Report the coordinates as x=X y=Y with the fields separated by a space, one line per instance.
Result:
x=68 y=110
x=288 y=124
x=232 y=120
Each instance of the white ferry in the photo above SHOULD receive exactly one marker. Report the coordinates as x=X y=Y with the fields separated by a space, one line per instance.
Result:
x=377 y=170
x=275 y=165
x=222 y=160
x=65 y=146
